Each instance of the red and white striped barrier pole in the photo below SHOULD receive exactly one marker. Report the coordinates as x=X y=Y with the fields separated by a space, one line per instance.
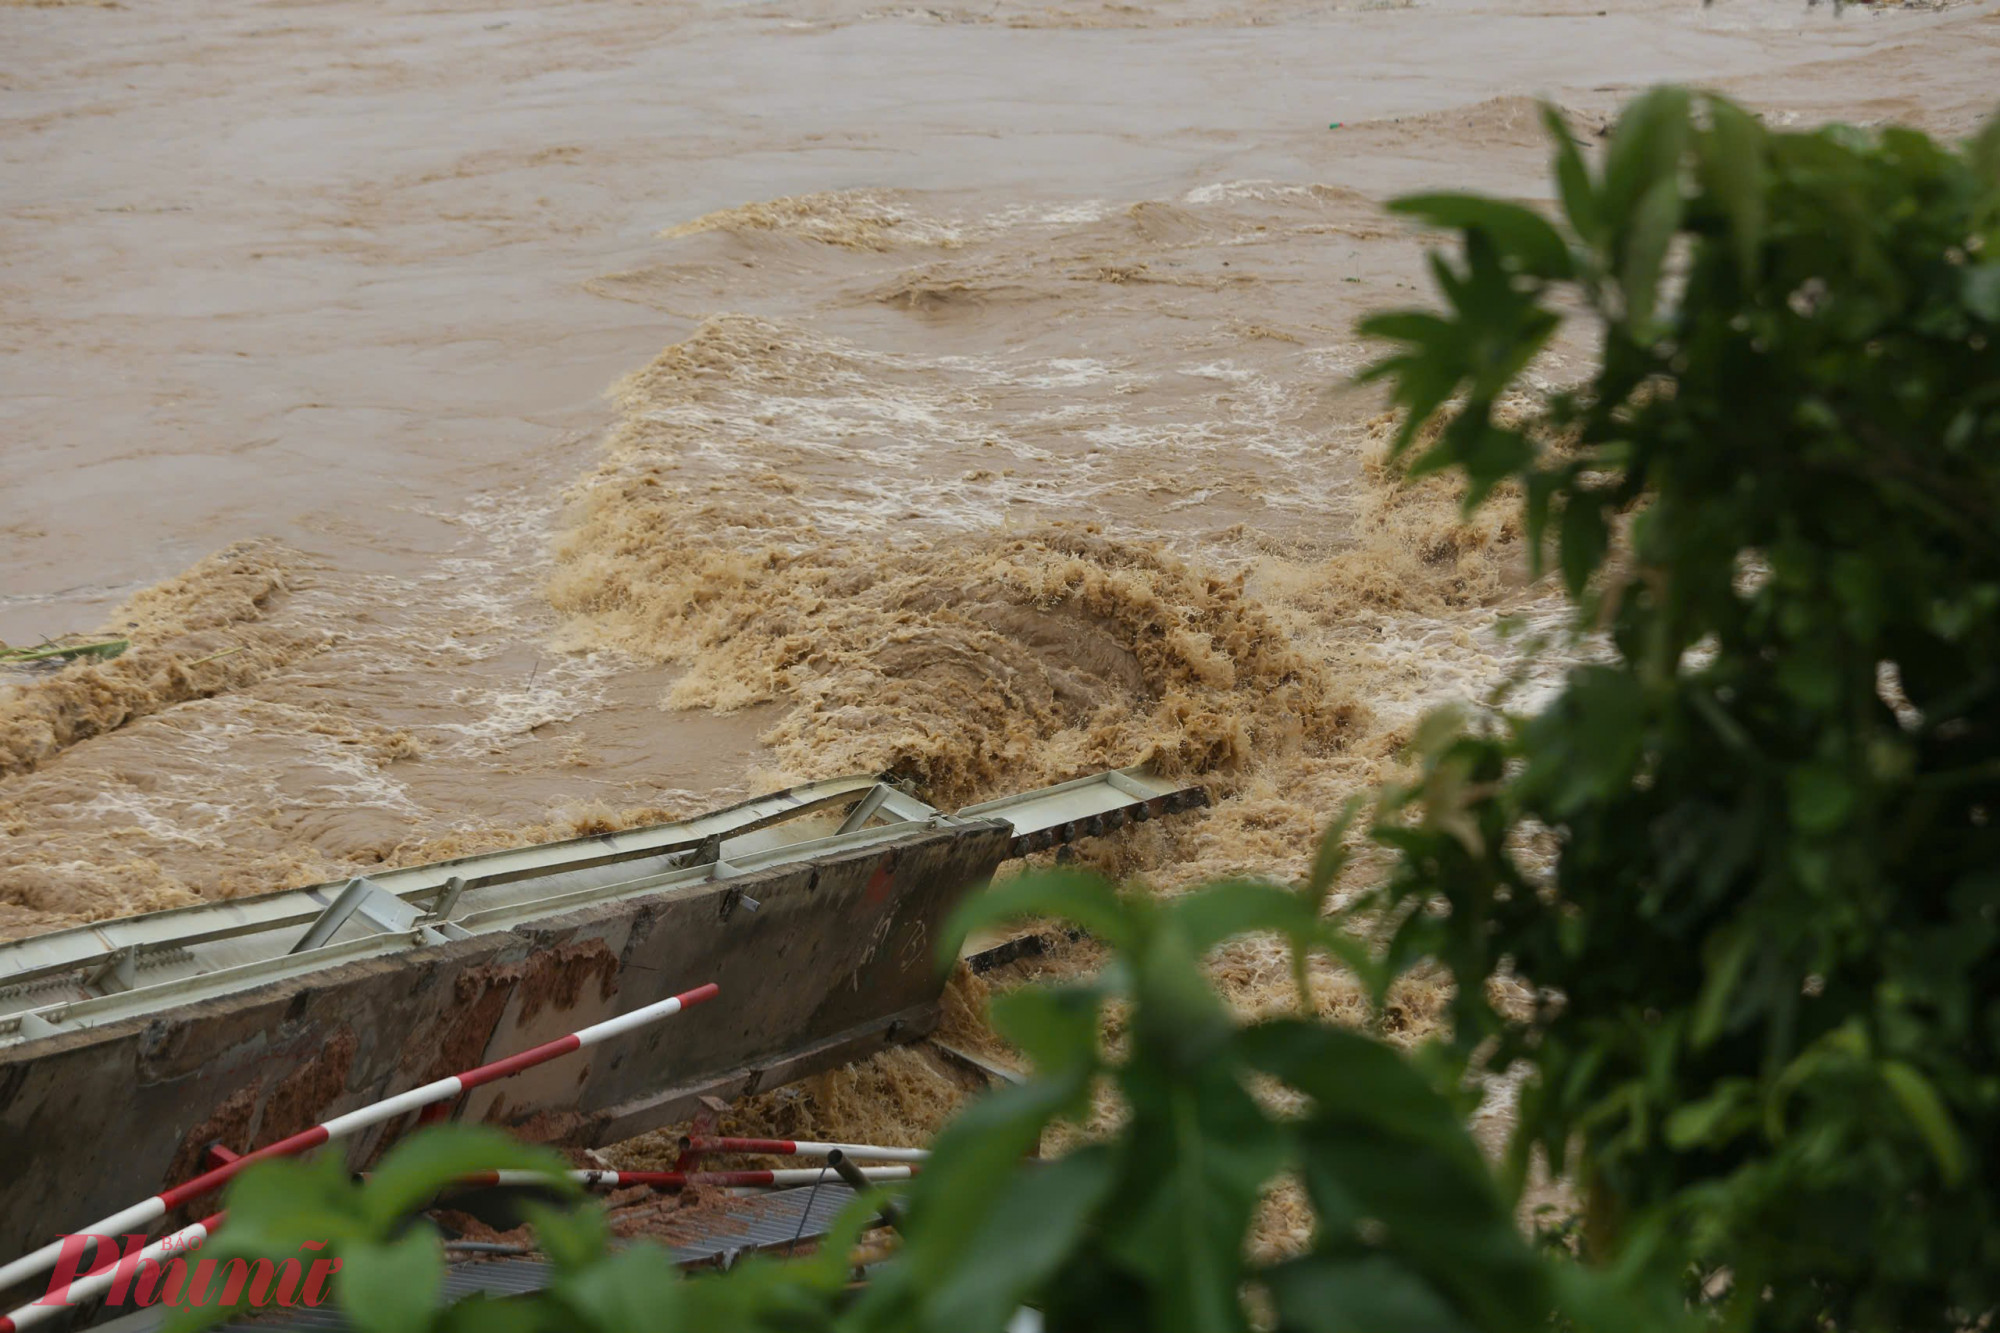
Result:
x=803 y=1148
x=98 y=1280
x=805 y=1175
x=444 y=1089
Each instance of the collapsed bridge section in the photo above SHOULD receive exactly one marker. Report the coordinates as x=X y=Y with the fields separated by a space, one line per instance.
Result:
x=128 y=1047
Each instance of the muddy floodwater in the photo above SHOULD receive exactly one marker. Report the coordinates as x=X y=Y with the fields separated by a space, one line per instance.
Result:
x=489 y=421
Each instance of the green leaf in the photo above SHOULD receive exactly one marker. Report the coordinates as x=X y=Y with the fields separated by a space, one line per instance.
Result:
x=1716 y=1119
x=1182 y=1226
x=1725 y=955
x=1821 y=797
x=314 y=1197
x=638 y=1287
x=971 y=1163
x=1927 y=1112
x=1811 y=675
x=1627 y=1294
x=1652 y=229
x=1438 y=730
x=1330 y=857
x=1055 y=1026
x=573 y=1238
x=1579 y=196
x=1586 y=748
x=1372 y=1294
x=1084 y=899
x=1025 y=1234
x=1353 y=1078
x=430 y=1160
x=1983 y=153
x=391 y=1287
x=1518 y=233
x=1177 y=1016
x=483 y=1313
x=1732 y=163
x=1645 y=151
x=1444 y=1219
x=1219 y=912
x=1420 y=328
x=1542 y=489
x=1584 y=537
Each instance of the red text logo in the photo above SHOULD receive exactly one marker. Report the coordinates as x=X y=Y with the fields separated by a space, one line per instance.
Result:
x=176 y=1279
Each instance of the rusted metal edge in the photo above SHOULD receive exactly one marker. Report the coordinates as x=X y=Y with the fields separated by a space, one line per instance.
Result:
x=1106 y=821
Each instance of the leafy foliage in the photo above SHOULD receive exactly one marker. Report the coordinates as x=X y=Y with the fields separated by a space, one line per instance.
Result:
x=1768 y=942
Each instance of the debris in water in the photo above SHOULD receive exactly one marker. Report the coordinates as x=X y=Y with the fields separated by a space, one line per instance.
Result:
x=102 y=650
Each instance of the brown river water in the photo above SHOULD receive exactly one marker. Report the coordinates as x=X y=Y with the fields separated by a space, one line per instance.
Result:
x=490 y=421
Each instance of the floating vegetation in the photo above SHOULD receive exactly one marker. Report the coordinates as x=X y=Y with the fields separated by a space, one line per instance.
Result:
x=99 y=650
